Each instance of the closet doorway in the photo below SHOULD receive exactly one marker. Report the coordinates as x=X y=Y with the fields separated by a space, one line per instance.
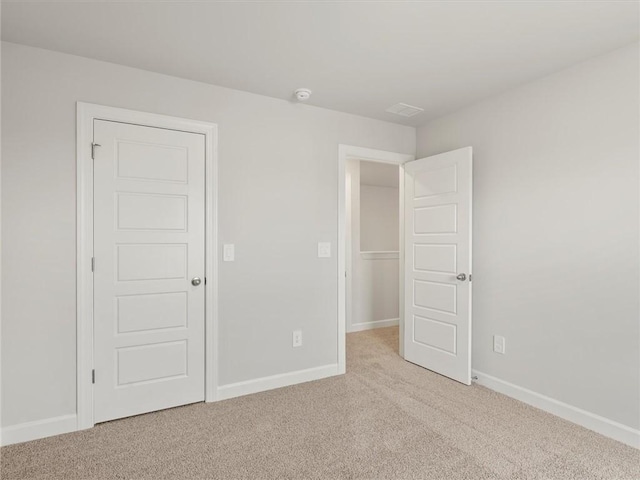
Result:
x=373 y=245
x=413 y=267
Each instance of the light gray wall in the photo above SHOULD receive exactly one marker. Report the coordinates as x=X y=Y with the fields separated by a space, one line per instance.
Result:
x=278 y=198
x=379 y=218
x=378 y=277
x=555 y=239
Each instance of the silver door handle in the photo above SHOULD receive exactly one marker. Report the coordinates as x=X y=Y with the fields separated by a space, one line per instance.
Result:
x=462 y=277
x=196 y=281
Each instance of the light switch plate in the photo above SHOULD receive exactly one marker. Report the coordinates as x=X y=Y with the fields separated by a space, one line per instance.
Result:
x=228 y=252
x=324 y=249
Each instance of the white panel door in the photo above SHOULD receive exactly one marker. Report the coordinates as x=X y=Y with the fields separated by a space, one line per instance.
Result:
x=437 y=223
x=149 y=243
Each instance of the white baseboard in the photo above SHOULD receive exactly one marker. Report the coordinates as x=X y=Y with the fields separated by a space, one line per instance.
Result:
x=602 y=425
x=275 y=381
x=358 y=327
x=24 y=432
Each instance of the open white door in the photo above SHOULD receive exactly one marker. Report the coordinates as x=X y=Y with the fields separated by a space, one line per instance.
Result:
x=437 y=269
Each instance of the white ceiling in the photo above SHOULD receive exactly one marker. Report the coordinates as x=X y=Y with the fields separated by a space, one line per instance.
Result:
x=358 y=57
x=379 y=174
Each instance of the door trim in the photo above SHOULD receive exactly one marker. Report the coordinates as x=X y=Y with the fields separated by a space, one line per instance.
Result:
x=86 y=114
x=345 y=153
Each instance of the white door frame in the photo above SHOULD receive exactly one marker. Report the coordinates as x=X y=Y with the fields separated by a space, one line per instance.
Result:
x=345 y=153
x=86 y=114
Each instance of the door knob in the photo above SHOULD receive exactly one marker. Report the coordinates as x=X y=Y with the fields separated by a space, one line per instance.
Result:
x=196 y=281
x=462 y=277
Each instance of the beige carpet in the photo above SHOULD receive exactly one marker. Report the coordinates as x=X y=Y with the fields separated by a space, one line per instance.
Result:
x=384 y=419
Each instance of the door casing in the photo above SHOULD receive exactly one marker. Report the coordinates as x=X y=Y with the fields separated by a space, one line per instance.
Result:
x=345 y=153
x=86 y=114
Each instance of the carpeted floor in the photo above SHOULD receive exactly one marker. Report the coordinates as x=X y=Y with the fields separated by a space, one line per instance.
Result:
x=384 y=419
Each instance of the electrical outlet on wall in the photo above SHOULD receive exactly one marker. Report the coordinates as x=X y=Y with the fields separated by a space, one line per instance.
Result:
x=499 y=344
x=297 y=338
x=324 y=249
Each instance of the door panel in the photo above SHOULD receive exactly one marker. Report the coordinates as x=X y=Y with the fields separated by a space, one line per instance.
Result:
x=149 y=229
x=435 y=258
x=435 y=296
x=432 y=220
x=142 y=363
x=151 y=262
x=137 y=313
x=150 y=162
x=435 y=334
x=151 y=212
x=437 y=323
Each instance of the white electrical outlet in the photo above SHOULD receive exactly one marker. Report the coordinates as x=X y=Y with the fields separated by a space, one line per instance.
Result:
x=324 y=249
x=297 y=338
x=499 y=344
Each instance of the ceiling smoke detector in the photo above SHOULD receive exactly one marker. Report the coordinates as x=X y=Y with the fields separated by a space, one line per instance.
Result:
x=302 y=94
x=404 y=110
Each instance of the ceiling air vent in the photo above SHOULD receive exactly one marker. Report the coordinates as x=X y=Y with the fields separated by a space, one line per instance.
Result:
x=405 y=110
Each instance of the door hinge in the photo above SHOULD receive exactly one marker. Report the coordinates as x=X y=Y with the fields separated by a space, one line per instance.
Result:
x=470 y=277
x=93 y=376
x=93 y=264
x=205 y=280
x=93 y=150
